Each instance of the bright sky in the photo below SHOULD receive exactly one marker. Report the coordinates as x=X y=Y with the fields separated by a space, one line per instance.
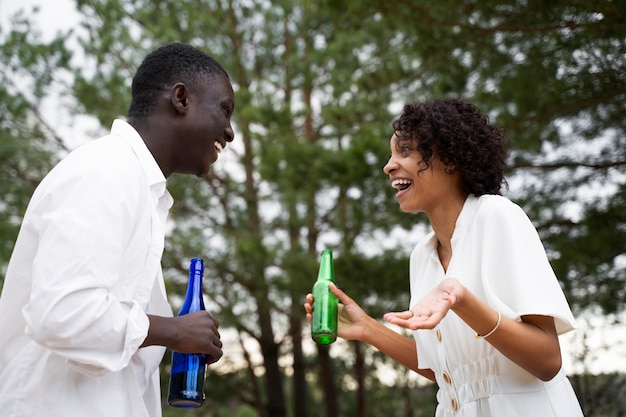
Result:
x=52 y=16
x=607 y=344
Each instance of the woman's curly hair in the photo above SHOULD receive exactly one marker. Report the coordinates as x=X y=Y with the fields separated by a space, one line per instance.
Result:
x=458 y=134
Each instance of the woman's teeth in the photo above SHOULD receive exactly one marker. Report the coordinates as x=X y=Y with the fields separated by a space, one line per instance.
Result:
x=401 y=184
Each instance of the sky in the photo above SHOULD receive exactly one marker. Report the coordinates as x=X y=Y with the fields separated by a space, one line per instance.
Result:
x=53 y=15
x=607 y=344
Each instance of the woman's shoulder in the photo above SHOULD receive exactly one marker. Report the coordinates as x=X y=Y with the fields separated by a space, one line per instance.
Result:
x=494 y=201
x=496 y=205
x=499 y=214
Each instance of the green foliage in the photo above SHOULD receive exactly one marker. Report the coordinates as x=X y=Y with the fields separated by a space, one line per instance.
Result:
x=601 y=395
x=590 y=255
x=28 y=145
x=552 y=74
x=317 y=85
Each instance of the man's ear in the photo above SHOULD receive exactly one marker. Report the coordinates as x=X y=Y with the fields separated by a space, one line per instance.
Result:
x=179 y=97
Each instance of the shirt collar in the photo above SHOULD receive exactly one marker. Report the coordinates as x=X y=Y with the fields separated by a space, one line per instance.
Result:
x=153 y=172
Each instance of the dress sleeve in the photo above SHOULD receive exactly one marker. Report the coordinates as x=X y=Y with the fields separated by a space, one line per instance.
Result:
x=79 y=308
x=515 y=271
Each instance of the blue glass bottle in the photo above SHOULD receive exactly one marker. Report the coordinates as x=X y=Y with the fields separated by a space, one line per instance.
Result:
x=186 y=389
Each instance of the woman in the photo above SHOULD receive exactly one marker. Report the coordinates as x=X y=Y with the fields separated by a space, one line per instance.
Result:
x=486 y=307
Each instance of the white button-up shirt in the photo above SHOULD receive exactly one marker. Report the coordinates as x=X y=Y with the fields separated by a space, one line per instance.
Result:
x=84 y=274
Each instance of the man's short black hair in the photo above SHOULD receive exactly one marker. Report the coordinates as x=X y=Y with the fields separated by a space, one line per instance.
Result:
x=165 y=66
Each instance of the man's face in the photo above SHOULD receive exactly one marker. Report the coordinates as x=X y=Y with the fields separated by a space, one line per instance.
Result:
x=206 y=128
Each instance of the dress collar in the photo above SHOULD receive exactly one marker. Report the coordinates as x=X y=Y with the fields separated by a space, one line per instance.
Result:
x=461 y=224
x=464 y=219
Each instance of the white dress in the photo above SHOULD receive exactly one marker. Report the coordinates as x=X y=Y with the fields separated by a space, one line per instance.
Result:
x=496 y=254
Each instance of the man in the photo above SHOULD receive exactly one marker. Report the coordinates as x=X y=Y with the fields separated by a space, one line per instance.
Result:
x=84 y=316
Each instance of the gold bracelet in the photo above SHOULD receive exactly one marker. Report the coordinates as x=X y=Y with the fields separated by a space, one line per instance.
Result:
x=477 y=336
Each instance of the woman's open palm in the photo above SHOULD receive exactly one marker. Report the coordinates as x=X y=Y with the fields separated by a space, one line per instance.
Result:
x=431 y=309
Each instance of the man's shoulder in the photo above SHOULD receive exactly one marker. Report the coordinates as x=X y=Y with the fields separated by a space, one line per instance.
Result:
x=107 y=152
x=104 y=163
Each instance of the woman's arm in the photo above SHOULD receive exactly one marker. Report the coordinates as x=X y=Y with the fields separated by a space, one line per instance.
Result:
x=355 y=324
x=532 y=343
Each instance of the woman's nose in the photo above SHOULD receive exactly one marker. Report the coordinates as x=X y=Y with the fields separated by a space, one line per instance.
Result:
x=390 y=166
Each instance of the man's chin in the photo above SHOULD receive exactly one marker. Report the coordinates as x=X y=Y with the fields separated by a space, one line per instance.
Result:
x=206 y=168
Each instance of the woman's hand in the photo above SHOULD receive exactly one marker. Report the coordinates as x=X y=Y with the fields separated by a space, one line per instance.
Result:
x=352 y=320
x=431 y=309
x=355 y=324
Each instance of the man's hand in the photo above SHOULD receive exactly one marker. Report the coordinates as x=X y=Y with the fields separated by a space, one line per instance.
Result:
x=191 y=333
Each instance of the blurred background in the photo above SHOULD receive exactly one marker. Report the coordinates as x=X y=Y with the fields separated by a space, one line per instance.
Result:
x=317 y=85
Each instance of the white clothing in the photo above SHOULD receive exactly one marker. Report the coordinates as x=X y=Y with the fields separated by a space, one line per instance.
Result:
x=498 y=256
x=84 y=273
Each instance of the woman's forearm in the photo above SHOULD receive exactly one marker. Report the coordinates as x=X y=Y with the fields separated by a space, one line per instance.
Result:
x=400 y=348
x=532 y=343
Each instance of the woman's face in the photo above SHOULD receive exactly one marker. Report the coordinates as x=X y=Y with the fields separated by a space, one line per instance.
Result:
x=420 y=188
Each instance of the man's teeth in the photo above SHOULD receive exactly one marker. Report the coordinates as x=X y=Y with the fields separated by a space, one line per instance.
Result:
x=218 y=146
x=400 y=184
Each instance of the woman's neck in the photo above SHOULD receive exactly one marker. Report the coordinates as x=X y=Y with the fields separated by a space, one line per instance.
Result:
x=443 y=221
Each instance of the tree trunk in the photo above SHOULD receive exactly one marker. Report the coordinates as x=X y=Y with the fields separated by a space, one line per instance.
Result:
x=254 y=382
x=300 y=402
x=273 y=377
x=359 y=365
x=328 y=381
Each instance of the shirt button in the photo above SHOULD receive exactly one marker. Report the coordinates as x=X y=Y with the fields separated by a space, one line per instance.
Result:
x=454 y=404
x=446 y=377
x=438 y=335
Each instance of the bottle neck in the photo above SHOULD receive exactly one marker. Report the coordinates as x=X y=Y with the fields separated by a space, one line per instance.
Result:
x=326 y=271
x=194 y=300
x=194 y=292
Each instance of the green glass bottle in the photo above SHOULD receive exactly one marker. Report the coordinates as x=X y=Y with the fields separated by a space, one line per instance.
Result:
x=324 y=322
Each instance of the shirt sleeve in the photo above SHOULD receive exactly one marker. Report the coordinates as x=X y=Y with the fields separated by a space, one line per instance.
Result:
x=516 y=273
x=78 y=308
